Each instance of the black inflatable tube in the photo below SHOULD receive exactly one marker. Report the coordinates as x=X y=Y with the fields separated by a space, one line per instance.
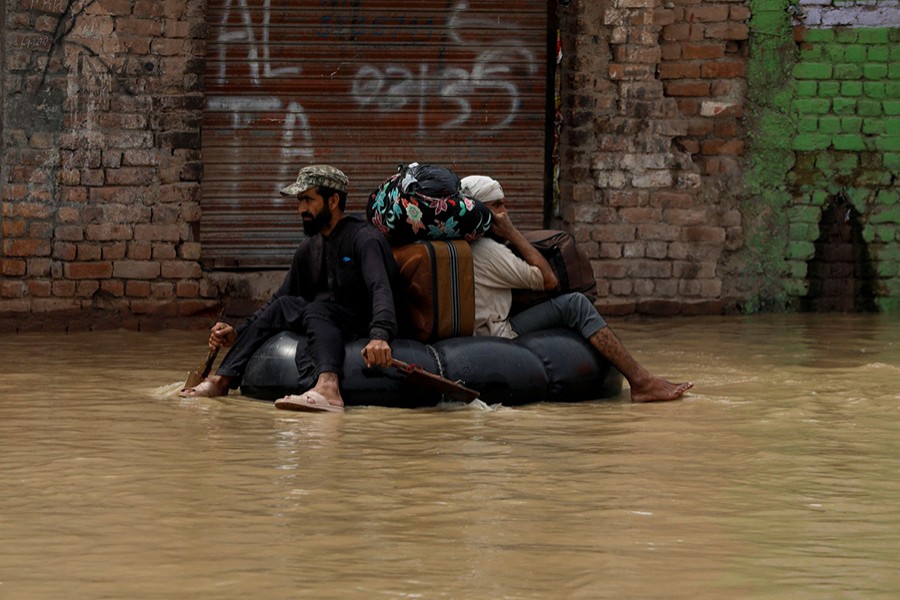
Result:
x=556 y=365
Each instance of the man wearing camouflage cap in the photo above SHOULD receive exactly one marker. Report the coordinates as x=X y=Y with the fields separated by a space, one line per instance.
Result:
x=338 y=288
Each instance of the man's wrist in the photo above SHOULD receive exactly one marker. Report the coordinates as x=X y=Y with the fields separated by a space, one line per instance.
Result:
x=379 y=333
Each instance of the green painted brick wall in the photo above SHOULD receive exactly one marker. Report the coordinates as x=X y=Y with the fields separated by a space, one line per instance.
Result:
x=845 y=108
x=824 y=114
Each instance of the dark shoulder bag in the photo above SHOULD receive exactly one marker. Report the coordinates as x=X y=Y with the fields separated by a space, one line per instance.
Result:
x=569 y=262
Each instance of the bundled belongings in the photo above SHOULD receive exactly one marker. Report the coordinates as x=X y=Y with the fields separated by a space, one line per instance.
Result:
x=438 y=300
x=424 y=202
x=569 y=262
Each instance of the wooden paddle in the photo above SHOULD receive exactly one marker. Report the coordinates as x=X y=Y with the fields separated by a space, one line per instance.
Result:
x=195 y=377
x=419 y=376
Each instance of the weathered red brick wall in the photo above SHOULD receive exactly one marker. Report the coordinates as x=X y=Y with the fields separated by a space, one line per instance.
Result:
x=102 y=162
x=653 y=95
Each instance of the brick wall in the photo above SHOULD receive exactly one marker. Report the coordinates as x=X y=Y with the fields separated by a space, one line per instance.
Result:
x=825 y=82
x=653 y=95
x=702 y=144
x=706 y=143
x=847 y=144
x=101 y=162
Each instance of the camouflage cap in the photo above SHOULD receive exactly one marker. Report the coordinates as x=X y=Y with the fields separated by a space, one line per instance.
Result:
x=317 y=175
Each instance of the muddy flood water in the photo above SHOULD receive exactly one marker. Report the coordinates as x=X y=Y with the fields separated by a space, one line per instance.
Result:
x=778 y=476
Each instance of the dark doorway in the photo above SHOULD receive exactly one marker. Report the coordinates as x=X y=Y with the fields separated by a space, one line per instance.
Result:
x=840 y=275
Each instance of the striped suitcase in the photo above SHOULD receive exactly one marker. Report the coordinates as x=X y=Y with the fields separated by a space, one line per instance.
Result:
x=439 y=297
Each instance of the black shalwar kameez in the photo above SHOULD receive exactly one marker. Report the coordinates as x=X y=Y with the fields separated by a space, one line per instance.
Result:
x=337 y=289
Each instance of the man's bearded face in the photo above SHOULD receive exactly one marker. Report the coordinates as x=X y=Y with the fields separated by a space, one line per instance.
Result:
x=313 y=223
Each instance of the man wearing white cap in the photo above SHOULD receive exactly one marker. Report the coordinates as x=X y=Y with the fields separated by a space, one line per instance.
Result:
x=498 y=271
x=338 y=288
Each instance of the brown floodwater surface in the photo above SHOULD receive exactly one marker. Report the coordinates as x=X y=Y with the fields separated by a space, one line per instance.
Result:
x=776 y=477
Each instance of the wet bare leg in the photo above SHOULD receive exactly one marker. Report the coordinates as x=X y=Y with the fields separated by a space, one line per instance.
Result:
x=328 y=386
x=212 y=386
x=645 y=386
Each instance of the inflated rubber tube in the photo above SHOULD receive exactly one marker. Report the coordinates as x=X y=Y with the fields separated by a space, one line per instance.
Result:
x=500 y=369
x=575 y=369
x=556 y=365
x=272 y=373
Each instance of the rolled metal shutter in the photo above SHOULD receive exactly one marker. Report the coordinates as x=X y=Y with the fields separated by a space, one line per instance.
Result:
x=364 y=85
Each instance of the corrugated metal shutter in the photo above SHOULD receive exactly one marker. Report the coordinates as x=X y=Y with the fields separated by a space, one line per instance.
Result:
x=364 y=85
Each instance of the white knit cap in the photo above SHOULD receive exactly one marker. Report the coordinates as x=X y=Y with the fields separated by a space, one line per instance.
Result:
x=481 y=188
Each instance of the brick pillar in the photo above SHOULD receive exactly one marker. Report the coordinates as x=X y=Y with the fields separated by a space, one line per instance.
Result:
x=649 y=126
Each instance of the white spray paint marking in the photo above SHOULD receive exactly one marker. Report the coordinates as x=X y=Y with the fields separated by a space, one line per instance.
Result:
x=387 y=88
x=296 y=134
x=393 y=87
x=294 y=123
x=243 y=109
x=257 y=51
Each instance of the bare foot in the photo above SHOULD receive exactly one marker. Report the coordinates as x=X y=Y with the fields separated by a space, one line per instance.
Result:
x=658 y=389
x=209 y=388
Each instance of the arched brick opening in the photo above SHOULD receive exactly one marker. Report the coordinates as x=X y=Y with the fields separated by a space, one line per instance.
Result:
x=840 y=275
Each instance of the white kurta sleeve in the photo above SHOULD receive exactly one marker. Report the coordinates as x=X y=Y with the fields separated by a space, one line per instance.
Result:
x=497 y=272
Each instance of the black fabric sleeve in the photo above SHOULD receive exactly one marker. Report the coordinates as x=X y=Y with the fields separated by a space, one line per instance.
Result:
x=377 y=270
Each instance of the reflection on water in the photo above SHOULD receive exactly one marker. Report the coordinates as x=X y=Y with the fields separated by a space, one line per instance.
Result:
x=774 y=478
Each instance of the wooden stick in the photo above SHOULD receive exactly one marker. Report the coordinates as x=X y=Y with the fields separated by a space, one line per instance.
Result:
x=451 y=389
x=195 y=377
